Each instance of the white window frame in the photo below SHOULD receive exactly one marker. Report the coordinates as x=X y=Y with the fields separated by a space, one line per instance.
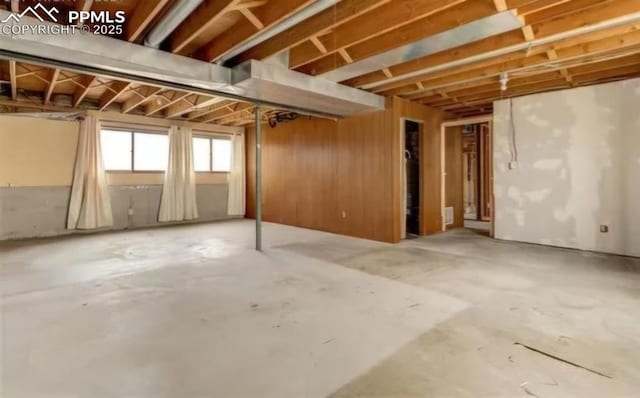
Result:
x=132 y=131
x=212 y=137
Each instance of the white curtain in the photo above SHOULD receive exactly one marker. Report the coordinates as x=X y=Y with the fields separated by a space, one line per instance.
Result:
x=178 y=200
x=90 y=206
x=235 y=201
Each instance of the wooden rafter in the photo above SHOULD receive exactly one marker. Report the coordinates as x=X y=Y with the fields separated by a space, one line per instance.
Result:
x=197 y=114
x=83 y=5
x=269 y=14
x=542 y=29
x=377 y=21
x=52 y=84
x=163 y=101
x=582 y=75
x=114 y=90
x=367 y=37
x=538 y=6
x=35 y=105
x=251 y=17
x=191 y=103
x=82 y=90
x=142 y=95
x=225 y=113
x=592 y=42
x=205 y=16
x=462 y=80
x=341 y=13
x=13 y=79
x=144 y=13
x=501 y=5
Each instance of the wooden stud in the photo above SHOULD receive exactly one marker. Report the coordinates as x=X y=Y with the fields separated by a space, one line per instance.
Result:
x=14 y=80
x=52 y=84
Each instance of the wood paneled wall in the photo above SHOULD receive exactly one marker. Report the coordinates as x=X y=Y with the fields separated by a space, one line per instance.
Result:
x=344 y=176
x=454 y=180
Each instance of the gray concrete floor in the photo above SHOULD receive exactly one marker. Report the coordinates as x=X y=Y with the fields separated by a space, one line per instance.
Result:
x=192 y=311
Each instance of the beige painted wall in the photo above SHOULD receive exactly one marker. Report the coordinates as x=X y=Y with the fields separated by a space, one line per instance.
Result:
x=36 y=152
x=40 y=152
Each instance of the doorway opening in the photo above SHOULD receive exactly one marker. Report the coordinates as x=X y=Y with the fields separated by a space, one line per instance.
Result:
x=476 y=156
x=412 y=178
x=467 y=181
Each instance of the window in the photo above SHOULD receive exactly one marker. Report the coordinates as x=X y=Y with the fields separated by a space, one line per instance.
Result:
x=150 y=151
x=116 y=149
x=201 y=154
x=212 y=154
x=221 y=155
x=134 y=150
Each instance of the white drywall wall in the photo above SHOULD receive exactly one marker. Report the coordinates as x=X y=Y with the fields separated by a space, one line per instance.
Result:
x=578 y=167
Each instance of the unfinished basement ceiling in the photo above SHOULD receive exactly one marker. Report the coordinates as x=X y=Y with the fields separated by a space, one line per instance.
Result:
x=446 y=54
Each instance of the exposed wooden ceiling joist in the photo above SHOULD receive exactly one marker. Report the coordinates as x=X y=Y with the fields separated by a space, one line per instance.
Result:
x=81 y=91
x=340 y=14
x=464 y=79
x=52 y=84
x=190 y=103
x=13 y=80
x=114 y=90
x=513 y=61
x=269 y=14
x=144 y=13
x=448 y=18
x=163 y=101
x=141 y=96
x=207 y=14
x=396 y=14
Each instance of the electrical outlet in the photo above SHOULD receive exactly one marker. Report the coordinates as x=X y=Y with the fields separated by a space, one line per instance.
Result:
x=513 y=165
x=604 y=229
x=130 y=212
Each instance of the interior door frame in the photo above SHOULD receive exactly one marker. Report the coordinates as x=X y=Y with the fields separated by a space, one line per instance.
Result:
x=403 y=202
x=443 y=174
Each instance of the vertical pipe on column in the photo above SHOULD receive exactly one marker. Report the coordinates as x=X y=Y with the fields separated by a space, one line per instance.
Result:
x=258 y=130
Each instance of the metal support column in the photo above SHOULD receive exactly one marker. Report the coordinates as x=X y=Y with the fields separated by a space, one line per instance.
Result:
x=258 y=130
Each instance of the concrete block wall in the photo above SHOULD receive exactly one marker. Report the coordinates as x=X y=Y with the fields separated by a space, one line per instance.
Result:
x=37 y=158
x=29 y=212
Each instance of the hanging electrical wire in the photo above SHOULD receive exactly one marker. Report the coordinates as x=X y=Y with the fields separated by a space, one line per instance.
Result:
x=514 y=145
